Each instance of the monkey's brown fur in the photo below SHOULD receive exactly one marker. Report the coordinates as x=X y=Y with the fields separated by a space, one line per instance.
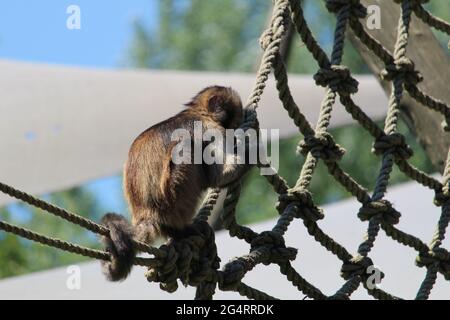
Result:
x=162 y=195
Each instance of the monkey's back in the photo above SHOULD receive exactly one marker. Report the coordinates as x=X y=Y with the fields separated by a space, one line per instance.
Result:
x=157 y=190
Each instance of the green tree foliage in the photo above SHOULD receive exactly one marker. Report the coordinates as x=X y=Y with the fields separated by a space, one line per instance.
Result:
x=322 y=24
x=201 y=35
x=12 y=255
x=440 y=9
x=20 y=256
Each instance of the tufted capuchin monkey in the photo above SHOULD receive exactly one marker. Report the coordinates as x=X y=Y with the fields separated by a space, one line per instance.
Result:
x=161 y=194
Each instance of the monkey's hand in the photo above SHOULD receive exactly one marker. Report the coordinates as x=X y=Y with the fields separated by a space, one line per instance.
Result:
x=232 y=170
x=119 y=245
x=232 y=173
x=236 y=164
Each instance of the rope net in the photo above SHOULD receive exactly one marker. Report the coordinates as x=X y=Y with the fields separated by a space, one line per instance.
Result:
x=194 y=260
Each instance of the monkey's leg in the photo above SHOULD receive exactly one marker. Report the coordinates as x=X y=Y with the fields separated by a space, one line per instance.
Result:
x=145 y=231
x=119 y=245
x=178 y=234
x=234 y=166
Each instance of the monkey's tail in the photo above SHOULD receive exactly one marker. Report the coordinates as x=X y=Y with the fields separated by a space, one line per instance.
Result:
x=119 y=245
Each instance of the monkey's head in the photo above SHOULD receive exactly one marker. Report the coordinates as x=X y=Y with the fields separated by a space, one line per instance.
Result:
x=221 y=103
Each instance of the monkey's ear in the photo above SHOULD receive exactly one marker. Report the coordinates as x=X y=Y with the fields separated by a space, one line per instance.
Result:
x=214 y=103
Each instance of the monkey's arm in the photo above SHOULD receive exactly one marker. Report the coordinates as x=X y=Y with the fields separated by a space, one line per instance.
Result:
x=234 y=167
x=232 y=174
x=227 y=173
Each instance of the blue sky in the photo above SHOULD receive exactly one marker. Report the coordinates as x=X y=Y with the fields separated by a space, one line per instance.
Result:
x=36 y=30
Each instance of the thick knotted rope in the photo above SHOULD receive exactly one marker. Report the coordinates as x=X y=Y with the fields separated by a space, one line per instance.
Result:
x=338 y=78
x=404 y=68
x=272 y=244
x=442 y=197
x=322 y=146
x=357 y=266
x=192 y=259
x=437 y=257
x=355 y=7
x=232 y=275
x=381 y=209
x=305 y=207
x=394 y=144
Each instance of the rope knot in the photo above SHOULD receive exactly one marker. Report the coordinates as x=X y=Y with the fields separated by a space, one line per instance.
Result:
x=402 y=67
x=321 y=145
x=192 y=259
x=381 y=209
x=438 y=256
x=302 y=199
x=355 y=7
x=441 y=196
x=338 y=78
x=266 y=38
x=166 y=271
x=232 y=274
x=356 y=266
x=394 y=143
x=250 y=118
x=274 y=244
